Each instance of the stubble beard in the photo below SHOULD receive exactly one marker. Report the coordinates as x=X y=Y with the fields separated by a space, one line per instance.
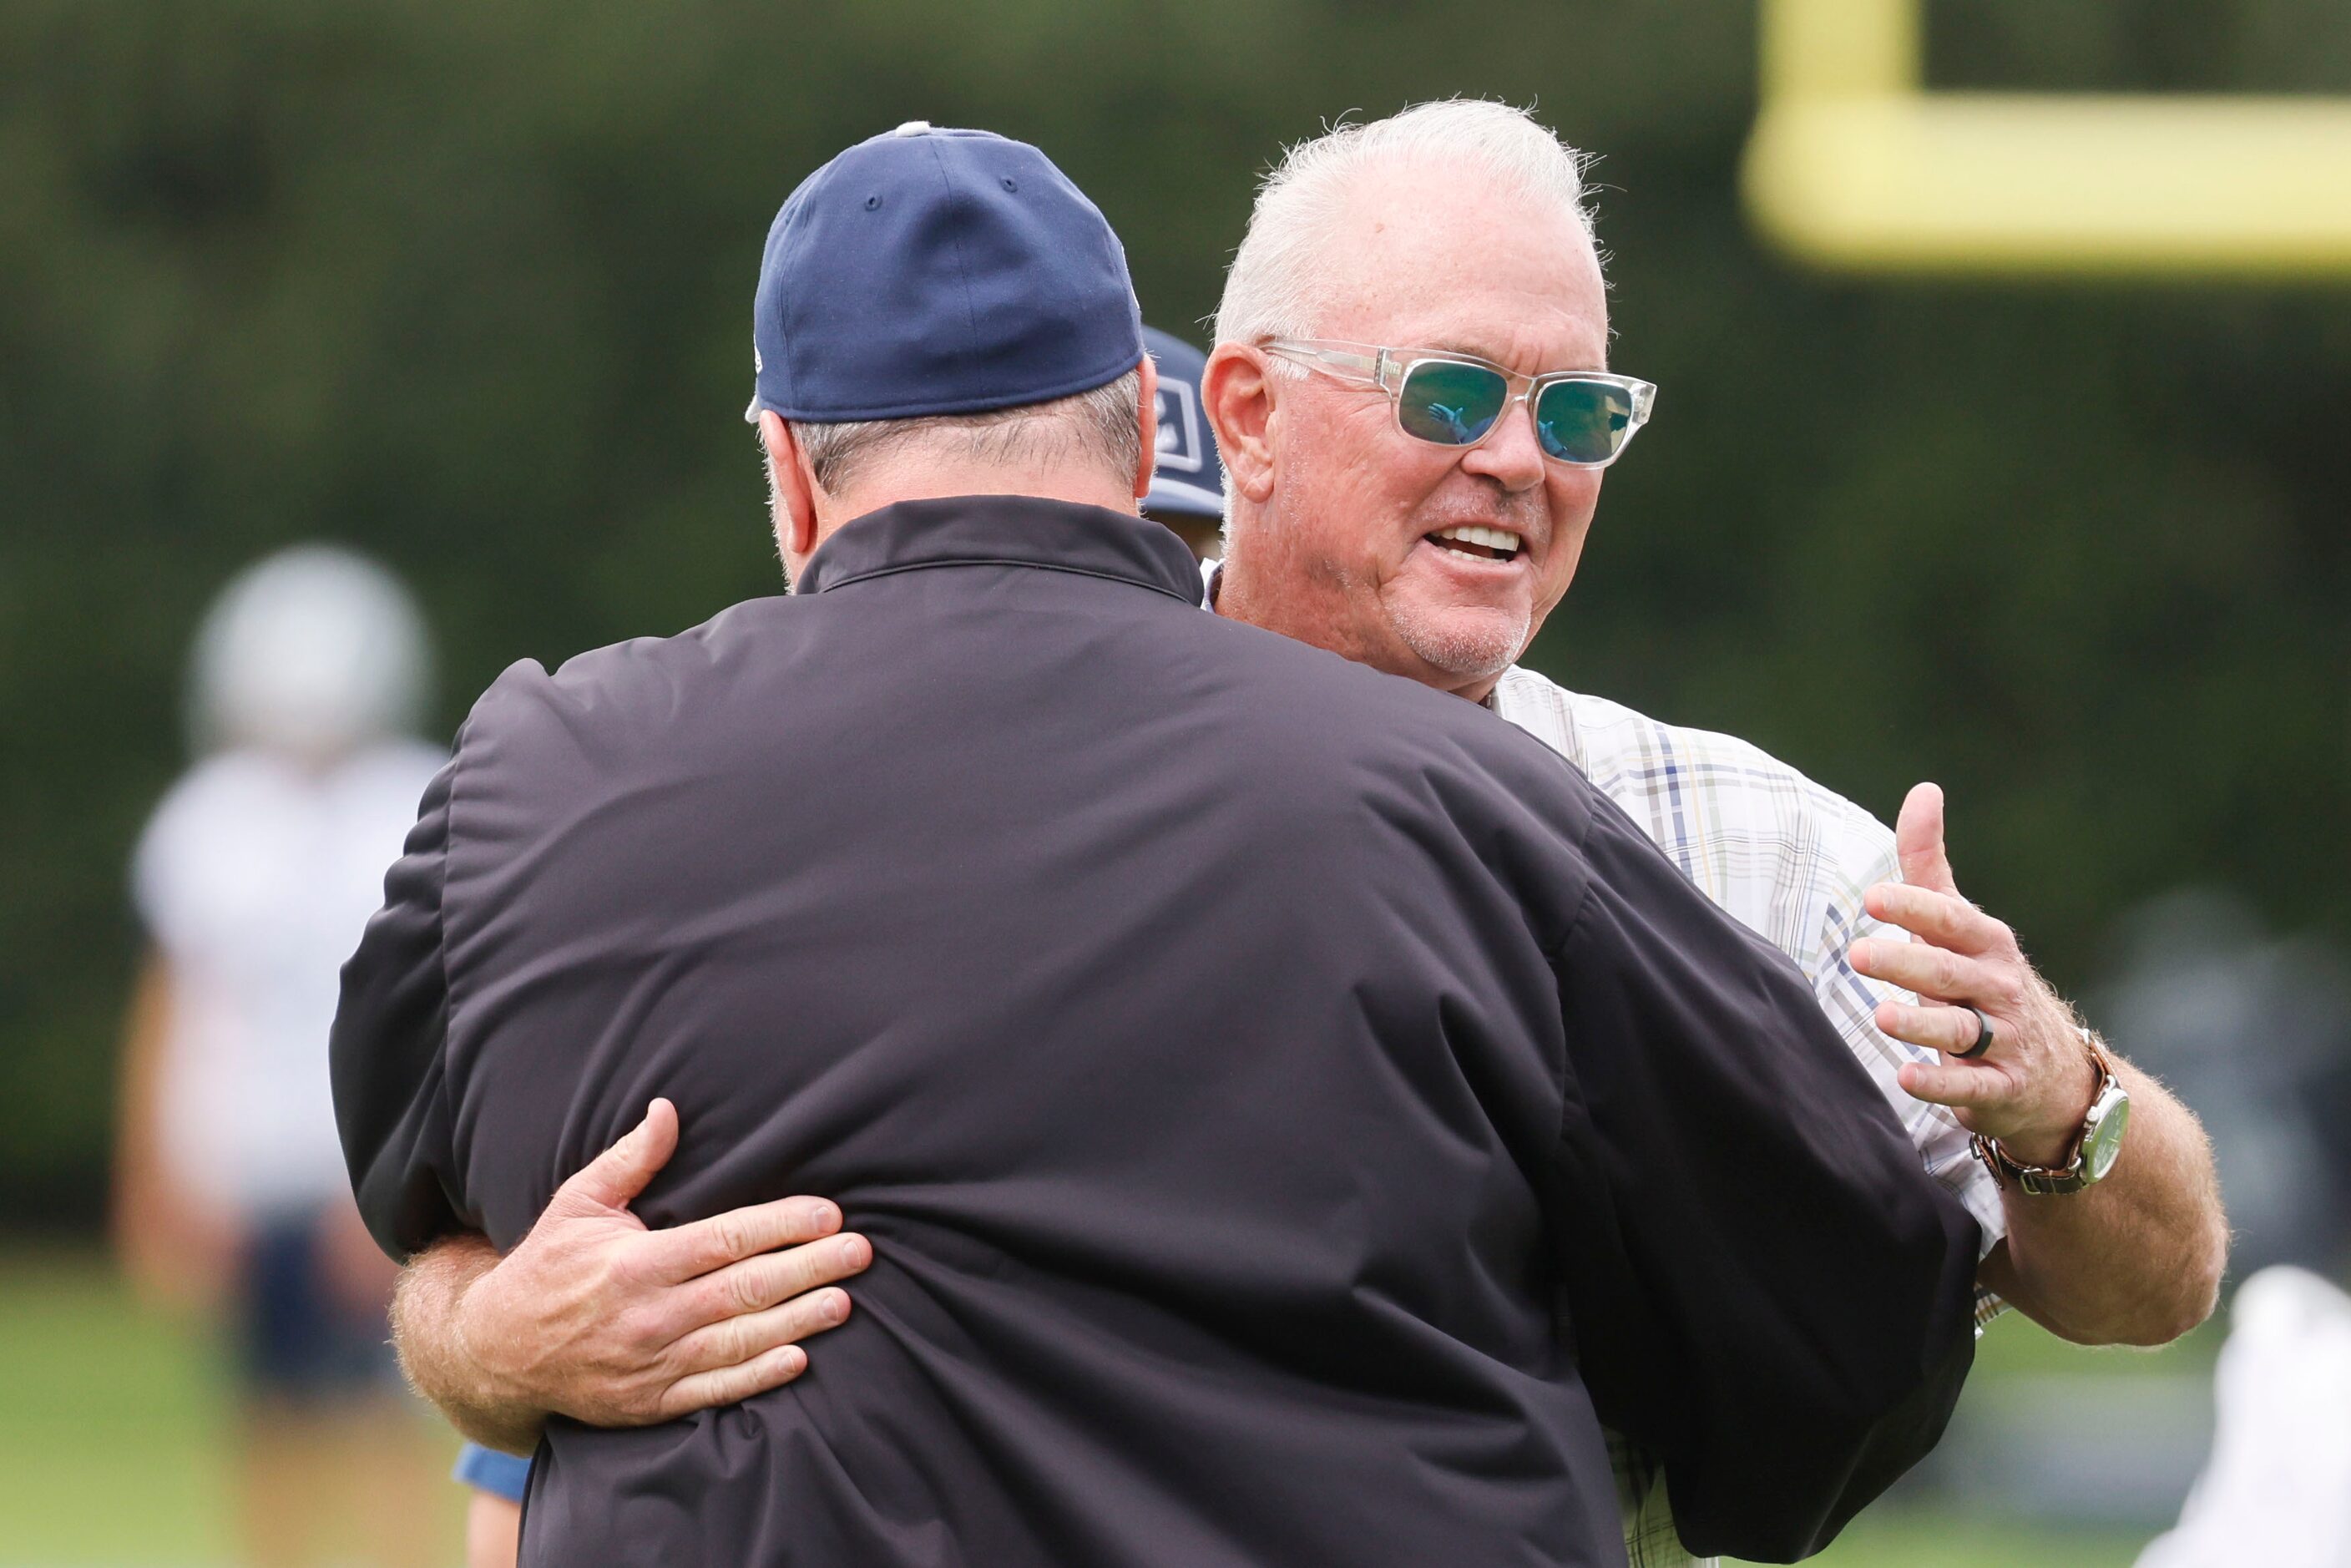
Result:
x=1471 y=647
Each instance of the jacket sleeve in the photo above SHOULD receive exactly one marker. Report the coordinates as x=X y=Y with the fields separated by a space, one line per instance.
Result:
x=388 y=1050
x=1765 y=1289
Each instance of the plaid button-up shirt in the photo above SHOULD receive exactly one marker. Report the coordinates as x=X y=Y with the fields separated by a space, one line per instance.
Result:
x=1790 y=861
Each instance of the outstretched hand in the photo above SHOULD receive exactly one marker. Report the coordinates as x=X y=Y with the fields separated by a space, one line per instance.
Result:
x=2033 y=1086
x=596 y=1317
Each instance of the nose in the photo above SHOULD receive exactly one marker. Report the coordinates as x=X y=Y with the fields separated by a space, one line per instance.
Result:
x=1510 y=457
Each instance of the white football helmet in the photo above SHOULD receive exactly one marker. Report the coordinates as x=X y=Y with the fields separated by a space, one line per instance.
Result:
x=312 y=652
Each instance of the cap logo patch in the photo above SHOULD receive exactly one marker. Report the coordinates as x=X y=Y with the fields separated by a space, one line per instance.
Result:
x=1179 y=427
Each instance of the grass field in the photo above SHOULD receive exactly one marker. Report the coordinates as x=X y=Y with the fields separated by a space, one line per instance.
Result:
x=113 y=1427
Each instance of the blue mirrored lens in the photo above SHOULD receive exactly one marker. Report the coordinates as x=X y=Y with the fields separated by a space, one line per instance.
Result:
x=1450 y=404
x=1584 y=421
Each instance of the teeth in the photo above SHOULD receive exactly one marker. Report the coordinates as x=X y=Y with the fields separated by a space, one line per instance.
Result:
x=1492 y=538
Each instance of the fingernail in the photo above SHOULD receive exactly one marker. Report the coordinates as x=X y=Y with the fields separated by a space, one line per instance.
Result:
x=1860 y=955
x=835 y=1306
x=852 y=1251
x=795 y=1358
x=824 y=1216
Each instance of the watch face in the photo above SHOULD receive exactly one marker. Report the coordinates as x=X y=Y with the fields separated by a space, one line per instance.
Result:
x=2107 y=1140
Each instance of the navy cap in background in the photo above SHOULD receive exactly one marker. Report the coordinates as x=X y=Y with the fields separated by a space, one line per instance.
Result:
x=930 y=271
x=1188 y=478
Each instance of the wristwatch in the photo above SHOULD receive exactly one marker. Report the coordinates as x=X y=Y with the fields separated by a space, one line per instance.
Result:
x=2093 y=1150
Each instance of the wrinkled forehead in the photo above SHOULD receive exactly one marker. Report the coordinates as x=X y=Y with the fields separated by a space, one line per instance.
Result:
x=1424 y=256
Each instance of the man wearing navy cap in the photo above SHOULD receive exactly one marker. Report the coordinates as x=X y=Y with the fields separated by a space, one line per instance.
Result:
x=1187 y=481
x=1289 y=1108
x=1188 y=497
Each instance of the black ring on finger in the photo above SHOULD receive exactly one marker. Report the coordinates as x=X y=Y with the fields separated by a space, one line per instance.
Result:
x=1983 y=1037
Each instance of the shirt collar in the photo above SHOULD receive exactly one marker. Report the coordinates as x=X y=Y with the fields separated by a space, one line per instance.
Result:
x=1004 y=531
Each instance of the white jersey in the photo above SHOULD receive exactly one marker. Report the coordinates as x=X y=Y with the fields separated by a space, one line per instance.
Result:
x=254 y=879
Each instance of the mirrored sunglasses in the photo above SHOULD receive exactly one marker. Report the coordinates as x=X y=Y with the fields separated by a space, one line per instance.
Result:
x=1584 y=418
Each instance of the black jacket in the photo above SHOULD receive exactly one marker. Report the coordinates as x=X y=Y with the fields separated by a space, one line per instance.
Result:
x=1285 y=1101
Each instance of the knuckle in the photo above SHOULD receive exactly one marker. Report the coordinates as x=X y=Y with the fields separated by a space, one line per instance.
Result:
x=713 y=1301
x=686 y=1396
x=735 y=1385
x=608 y=1276
x=811 y=1314
x=670 y=1363
x=638 y=1325
x=745 y=1291
x=803 y=1271
x=731 y=1235
x=644 y=1407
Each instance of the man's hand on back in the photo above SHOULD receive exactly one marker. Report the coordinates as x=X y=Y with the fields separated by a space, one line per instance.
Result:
x=595 y=1317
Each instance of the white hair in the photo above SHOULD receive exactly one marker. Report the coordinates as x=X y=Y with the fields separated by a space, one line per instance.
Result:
x=1280 y=277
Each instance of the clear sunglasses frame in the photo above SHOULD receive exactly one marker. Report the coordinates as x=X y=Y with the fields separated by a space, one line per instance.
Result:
x=1370 y=365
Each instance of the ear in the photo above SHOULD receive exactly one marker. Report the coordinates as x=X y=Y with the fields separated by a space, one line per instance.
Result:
x=1149 y=459
x=1237 y=390
x=795 y=489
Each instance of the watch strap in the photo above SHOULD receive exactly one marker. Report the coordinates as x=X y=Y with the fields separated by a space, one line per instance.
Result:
x=2053 y=1181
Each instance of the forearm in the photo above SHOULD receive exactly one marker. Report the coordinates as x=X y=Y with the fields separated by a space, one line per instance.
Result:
x=2135 y=1259
x=429 y=1331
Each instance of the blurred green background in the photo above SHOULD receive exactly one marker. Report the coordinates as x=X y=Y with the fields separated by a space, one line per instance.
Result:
x=467 y=288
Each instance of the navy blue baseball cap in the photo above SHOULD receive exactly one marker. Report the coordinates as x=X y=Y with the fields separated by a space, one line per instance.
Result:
x=929 y=271
x=1188 y=478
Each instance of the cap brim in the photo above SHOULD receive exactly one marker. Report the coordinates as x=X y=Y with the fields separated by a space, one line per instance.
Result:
x=1188 y=500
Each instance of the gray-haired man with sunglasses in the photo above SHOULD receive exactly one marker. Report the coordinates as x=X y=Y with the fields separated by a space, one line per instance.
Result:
x=1410 y=394
x=1411 y=397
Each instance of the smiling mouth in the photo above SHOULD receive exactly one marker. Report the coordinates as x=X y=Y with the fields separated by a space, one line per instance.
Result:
x=1479 y=543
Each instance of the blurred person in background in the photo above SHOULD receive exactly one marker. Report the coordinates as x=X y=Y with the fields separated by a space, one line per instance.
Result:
x=2277 y=1489
x=1188 y=480
x=2254 y=1029
x=1434 y=549
x=254 y=879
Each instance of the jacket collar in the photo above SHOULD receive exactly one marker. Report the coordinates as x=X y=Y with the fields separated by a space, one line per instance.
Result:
x=1004 y=531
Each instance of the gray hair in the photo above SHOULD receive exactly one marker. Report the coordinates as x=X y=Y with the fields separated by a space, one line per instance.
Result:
x=1278 y=279
x=1104 y=426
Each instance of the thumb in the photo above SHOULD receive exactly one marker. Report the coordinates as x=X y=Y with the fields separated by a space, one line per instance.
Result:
x=614 y=1178
x=1919 y=841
